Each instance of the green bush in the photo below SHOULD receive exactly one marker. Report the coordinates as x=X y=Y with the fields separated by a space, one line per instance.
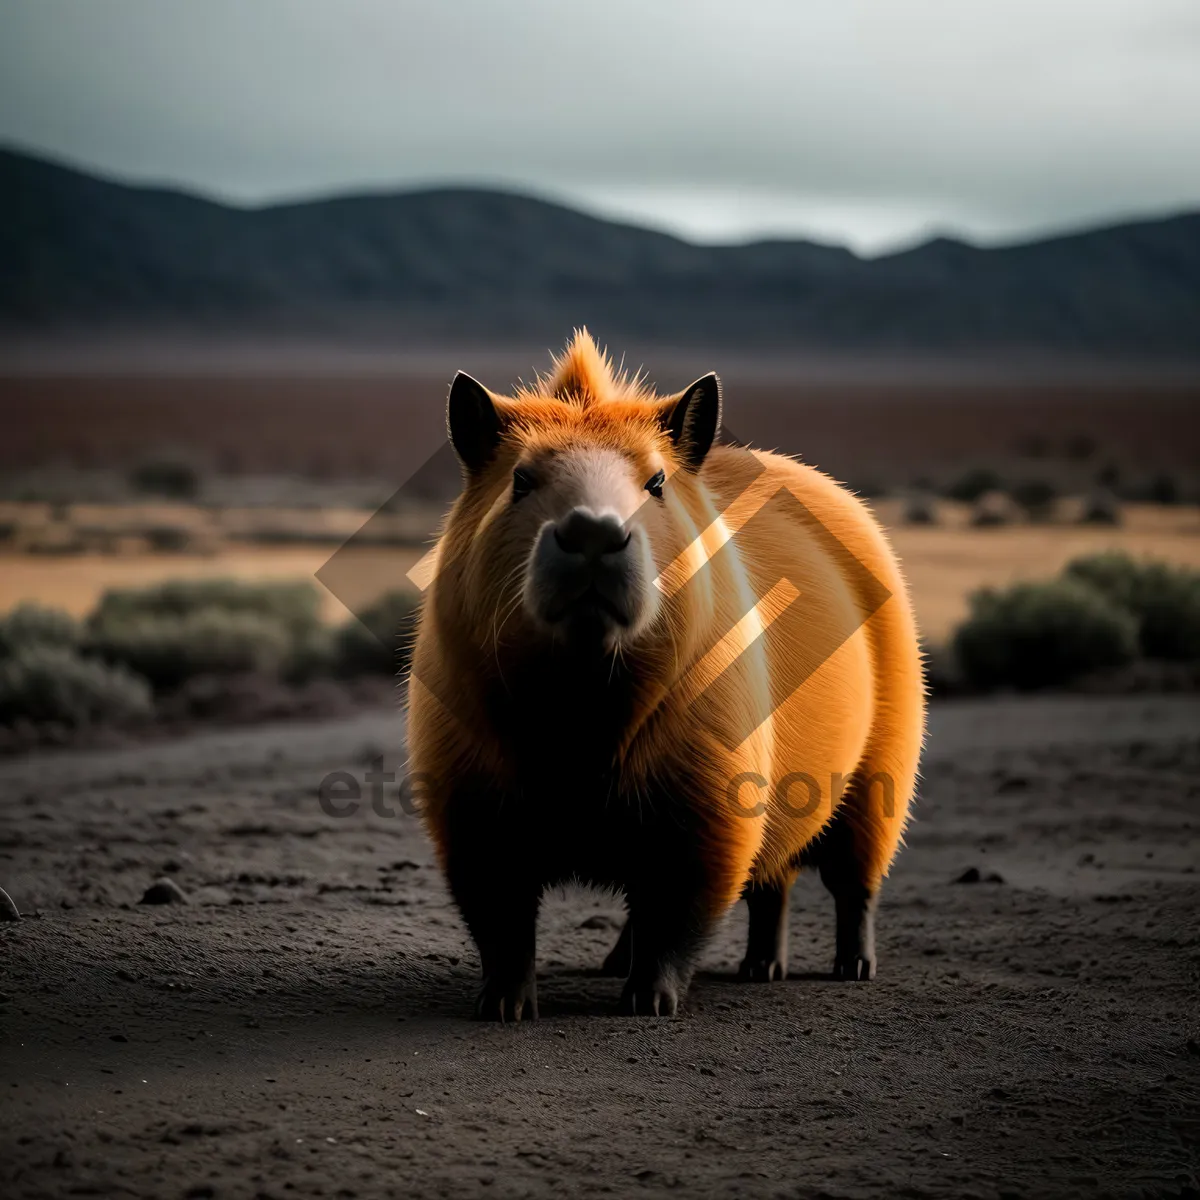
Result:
x=943 y=675
x=920 y=510
x=1164 y=600
x=379 y=640
x=975 y=483
x=1100 y=507
x=170 y=649
x=43 y=684
x=1041 y=634
x=1164 y=489
x=33 y=625
x=313 y=655
x=294 y=604
x=170 y=478
x=168 y=539
x=1036 y=497
x=993 y=509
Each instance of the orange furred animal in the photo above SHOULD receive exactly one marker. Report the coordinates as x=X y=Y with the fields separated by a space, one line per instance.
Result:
x=653 y=662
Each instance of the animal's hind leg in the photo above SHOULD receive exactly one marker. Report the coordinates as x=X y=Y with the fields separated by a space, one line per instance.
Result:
x=767 y=945
x=854 y=897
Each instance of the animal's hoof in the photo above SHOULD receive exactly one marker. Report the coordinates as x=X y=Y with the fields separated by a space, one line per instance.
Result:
x=762 y=970
x=505 y=1001
x=657 y=999
x=854 y=969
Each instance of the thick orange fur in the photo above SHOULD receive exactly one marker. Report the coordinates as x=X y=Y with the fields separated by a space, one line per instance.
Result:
x=761 y=613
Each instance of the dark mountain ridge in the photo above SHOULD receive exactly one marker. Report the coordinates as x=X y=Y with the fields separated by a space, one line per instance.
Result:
x=81 y=253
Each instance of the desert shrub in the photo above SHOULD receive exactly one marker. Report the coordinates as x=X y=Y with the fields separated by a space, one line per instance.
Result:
x=974 y=484
x=1035 y=496
x=1041 y=634
x=285 y=536
x=992 y=509
x=1164 y=489
x=1163 y=599
x=313 y=655
x=53 y=684
x=168 y=539
x=1112 y=572
x=294 y=604
x=170 y=649
x=170 y=478
x=53 y=540
x=1100 y=507
x=33 y=625
x=920 y=510
x=943 y=674
x=379 y=640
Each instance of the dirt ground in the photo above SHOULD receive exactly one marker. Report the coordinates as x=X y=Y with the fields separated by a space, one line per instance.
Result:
x=300 y=1027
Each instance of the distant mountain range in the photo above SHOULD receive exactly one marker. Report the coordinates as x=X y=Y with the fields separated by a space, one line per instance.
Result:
x=459 y=264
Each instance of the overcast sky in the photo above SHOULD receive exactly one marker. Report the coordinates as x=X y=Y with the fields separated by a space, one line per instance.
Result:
x=869 y=122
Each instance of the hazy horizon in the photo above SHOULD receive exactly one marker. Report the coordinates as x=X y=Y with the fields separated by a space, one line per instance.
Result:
x=622 y=214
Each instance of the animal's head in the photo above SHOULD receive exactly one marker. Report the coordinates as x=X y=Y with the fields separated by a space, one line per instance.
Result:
x=579 y=492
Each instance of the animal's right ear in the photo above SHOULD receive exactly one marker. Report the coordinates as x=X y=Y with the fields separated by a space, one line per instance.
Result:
x=472 y=422
x=692 y=419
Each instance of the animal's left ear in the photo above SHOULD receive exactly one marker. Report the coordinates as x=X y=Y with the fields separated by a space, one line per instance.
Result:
x=473 y=422
x=692 y=419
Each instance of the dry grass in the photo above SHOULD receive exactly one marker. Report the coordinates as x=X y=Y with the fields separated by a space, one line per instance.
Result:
x=75 y=582
x=944 y=562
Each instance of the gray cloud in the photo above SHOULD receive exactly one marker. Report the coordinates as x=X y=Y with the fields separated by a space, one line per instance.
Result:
x=860 y=120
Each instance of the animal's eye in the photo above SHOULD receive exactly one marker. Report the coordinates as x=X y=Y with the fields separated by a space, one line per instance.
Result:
x=523 y=483
x=654 y=485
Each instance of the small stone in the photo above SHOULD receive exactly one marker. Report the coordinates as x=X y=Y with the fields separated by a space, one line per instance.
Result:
x=164 y=891
x=970 y=875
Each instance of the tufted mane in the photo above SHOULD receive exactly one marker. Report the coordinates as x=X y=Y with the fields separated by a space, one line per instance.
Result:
x=583 y=374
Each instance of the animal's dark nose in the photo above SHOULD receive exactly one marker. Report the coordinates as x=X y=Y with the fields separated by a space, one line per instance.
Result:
x=584 y=532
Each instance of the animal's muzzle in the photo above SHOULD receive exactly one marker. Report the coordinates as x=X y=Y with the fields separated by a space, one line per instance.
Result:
x=592 y=535
x=583 y=569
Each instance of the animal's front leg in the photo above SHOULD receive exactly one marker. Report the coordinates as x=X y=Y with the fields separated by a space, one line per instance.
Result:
x=669 y=929
x=671 y=915
x=693 y=860
x=504 y=926
x=499 y=901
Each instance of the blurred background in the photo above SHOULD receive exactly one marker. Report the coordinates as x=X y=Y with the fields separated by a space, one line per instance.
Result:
x=950 y=255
